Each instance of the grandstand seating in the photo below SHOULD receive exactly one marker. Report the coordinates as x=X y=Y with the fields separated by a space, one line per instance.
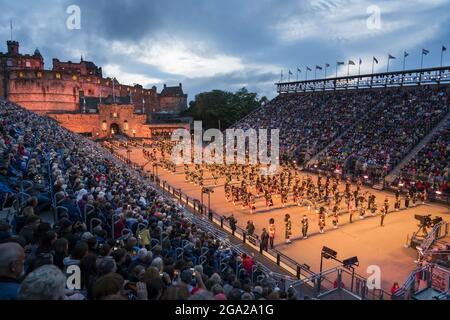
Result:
x=365 y=133
x=106 y=211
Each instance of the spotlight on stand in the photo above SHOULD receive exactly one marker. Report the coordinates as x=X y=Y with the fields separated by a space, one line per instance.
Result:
x=353 y=261
x=328 y=253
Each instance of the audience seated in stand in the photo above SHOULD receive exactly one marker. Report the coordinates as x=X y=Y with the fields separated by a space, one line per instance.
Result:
x=104 y=211
x=429 y=169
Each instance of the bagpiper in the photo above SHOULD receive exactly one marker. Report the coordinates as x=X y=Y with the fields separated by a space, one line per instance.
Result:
x=305 y=224
x=288 y=225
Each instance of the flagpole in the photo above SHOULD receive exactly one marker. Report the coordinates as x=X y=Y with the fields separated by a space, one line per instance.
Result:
x=373 y=62
x=336 y=69
x=359 y=69
x=348 y=69
x=315 y=73
x=306 y=74
x=404 y=61
x=389 y=59
x=11 y=24
x=325 y=71
x=421 y=61
x=114 y=92
x=442 y=55
x=297 y=74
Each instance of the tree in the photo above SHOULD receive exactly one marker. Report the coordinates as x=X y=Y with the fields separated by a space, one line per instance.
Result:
x=226 y=107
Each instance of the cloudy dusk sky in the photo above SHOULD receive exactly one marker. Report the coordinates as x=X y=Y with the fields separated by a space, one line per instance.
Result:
x=209 y=44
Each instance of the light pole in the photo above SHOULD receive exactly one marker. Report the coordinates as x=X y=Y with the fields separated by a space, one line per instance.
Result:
x=329 y=253
x=128 y=156
x=207 y=191
x=155 y=171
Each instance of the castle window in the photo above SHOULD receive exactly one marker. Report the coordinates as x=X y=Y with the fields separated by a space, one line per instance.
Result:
x=58 y=76
x=115 y=115
x=104 y=126
x=39 y=75
x=107 y=83
x=74 y=77
x=99 y=81
x=125 y=125
x=89 y=79
x=21 y=74
x=28 y=64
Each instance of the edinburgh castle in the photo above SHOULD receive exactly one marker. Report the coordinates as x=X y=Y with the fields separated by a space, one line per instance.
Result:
x=81 y=99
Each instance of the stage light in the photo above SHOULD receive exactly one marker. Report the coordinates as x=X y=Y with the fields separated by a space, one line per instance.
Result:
x=366 y=177
x=438 y=192
x=353 y=261
x=328 y=253
x=401 y=184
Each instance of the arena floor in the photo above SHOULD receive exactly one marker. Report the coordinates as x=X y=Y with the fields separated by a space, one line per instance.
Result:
x=366 y=239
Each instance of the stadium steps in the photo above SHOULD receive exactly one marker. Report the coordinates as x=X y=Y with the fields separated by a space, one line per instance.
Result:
x=396 y=171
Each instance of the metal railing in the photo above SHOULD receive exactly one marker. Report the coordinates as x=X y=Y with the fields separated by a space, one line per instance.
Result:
x=439 y=231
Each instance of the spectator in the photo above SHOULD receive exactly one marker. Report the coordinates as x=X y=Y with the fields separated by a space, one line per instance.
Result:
x=12 y=259
x=44 y=283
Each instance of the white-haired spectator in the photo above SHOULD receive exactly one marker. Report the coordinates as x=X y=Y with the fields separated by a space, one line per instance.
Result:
x=44 y=283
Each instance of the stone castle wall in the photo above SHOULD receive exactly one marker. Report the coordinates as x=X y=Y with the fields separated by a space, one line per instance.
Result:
x=50 y=91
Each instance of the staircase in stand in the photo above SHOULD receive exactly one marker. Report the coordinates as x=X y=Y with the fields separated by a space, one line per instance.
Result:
x=396 y=171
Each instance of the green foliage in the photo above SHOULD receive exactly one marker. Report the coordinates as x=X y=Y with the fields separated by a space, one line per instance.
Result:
x=228 y=107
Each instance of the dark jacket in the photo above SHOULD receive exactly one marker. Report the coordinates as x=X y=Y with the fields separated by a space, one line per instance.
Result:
x=9 y=288
x=264 y=238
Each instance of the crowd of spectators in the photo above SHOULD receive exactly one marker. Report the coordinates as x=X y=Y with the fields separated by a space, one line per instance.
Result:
x=365 y=133
x=429 y=168
x=308 y=122
x=375 y=145
x=128 y=240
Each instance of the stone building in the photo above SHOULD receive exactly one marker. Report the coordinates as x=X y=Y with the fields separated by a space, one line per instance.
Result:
x=78 y=96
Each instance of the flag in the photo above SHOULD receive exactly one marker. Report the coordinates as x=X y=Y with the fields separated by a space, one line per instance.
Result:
x=340 y=63
x=351 y=62
x=298 y=69
x=308 y=69
x=406 y=54
x=444 y=48
x=376 y=60
x=360 y=61
x=425 y=51
x=319 y=67
x=290 y=73
x=327 y=65
x=391 y=57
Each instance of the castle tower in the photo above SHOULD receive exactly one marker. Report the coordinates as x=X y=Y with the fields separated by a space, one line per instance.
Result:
x=13 y=47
